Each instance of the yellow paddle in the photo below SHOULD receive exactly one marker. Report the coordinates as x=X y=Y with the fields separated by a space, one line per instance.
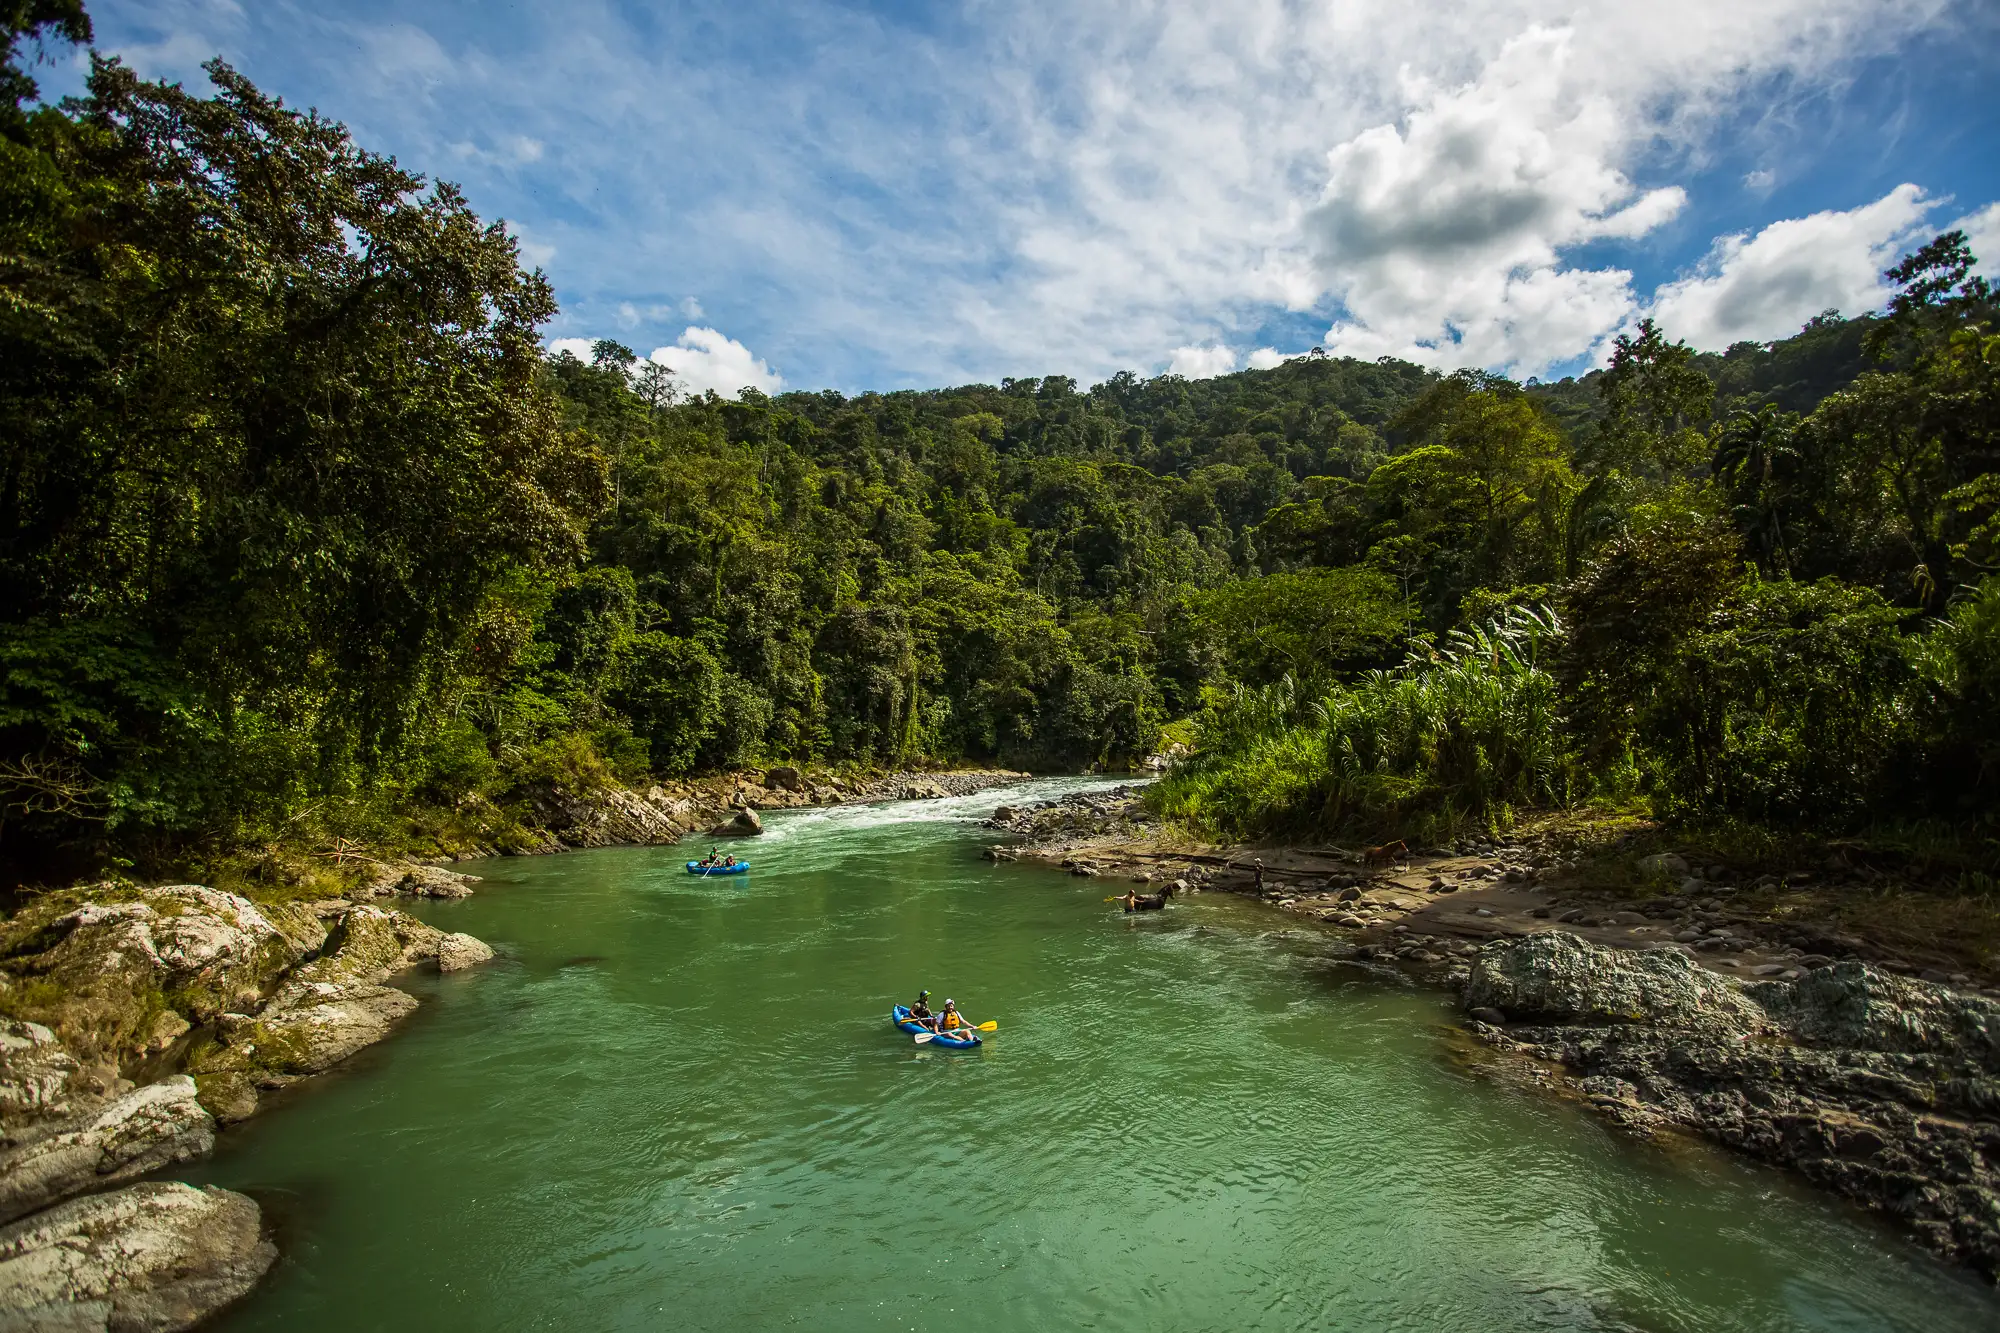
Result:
x=989 y=1026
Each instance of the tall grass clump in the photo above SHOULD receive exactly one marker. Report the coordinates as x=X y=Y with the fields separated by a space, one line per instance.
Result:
x=1459 y=733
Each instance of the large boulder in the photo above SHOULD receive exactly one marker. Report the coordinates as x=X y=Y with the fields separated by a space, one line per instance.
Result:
x=744 y=825
x=102 y=967
x=784 y=778
x=1874 y=1085
x=458 y=952
x=1853 y=1006
x=146 y=1258
x=390 y=878
x=143 y=1130
x=607 y=817
x=1561 y=978
x=325 y=1012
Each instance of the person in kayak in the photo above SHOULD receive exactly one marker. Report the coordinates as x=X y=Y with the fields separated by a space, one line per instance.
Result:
x=713 y=856
x=921 y=1010
x=950 y=1018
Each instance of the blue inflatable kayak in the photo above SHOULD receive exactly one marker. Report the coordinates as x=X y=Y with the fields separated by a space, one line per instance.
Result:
x=951 y=1041
x=697 y=868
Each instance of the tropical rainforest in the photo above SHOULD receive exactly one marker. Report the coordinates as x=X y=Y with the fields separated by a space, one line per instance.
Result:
x=304 y=536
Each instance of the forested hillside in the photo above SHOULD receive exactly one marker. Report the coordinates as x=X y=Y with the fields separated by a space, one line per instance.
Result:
x=303 y=538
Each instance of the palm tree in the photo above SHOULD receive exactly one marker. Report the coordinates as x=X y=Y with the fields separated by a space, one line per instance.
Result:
x=1754 y=462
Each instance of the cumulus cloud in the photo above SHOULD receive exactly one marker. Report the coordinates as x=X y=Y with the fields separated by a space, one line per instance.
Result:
x=1443 y=178
x=1266 y=358
x=704 y=360
x=1765 y=286
x=1443 y=238
x=1982 y=234
x=1201 y=363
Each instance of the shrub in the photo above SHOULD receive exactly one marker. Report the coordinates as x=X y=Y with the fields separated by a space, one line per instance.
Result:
x=1457 y=733
x=1789 y=704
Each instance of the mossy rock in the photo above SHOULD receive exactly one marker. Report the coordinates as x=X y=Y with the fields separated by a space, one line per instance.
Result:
x=99 y=965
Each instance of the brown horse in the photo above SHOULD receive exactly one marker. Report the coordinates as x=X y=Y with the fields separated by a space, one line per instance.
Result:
x=1385 y=854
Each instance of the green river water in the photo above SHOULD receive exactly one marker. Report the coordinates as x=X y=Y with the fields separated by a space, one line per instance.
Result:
x=678 y=1104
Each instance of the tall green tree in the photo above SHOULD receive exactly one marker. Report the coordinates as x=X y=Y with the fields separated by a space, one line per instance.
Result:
x=270 y=432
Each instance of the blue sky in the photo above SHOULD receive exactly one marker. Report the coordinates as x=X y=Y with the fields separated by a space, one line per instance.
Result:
x=879 y=196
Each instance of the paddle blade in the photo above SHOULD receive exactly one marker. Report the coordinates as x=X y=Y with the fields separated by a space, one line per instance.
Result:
x=990 y=1025
x=923 y=1037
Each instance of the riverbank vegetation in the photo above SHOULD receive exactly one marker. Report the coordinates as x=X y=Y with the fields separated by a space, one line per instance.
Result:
x=1779 y=619
x=304 y=540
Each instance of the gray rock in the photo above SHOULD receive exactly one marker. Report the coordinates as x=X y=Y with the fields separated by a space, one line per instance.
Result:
x=744 y=825
x=143 y=1130
x=38 y=1077
x=1558 y=977
x=436 y=882
x=611 y=816
x=458 y=952
x=325 y=1012
x=1854 y=1006
x=107 y=954
x=784 y=778
x=1882 y=1088
x=1663 y=865
x=160 y=1256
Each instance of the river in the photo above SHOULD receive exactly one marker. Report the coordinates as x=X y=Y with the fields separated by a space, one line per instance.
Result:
x=678 y=1103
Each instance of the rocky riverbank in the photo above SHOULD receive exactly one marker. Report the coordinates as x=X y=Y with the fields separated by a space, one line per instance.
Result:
x=1669 y=994
x=1884 y=1089
x=667 y=812
x=137 y=1019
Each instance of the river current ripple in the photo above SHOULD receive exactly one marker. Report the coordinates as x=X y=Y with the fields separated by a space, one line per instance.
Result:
x=678 y=1103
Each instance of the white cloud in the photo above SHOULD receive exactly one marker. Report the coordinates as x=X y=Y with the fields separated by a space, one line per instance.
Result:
x=1122 y=176
x=704 y=359
x=1433 y=168
x=1201 y=363
x=1444 y=239
x=1266 y=358
x=535 y=254
x=1765 y=286
x=576 y=347
x=1982 y=235
x=1760 y=180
